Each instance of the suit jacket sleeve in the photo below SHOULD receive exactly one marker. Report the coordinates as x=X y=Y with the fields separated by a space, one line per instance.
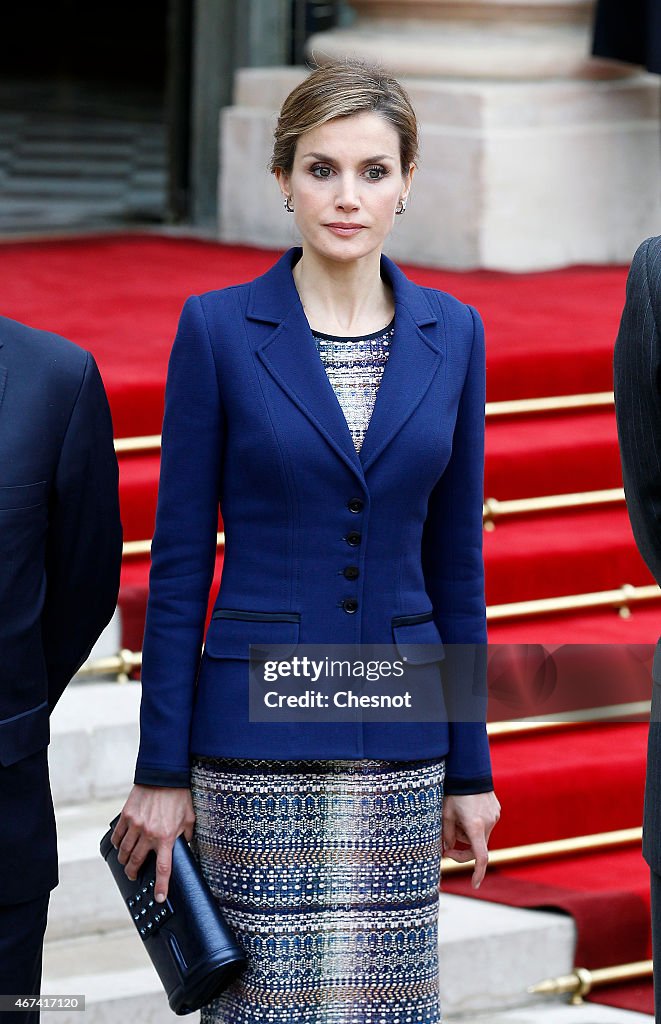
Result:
x=183 y=553
x=454 y=577
x=637 y=368
x=84 y=543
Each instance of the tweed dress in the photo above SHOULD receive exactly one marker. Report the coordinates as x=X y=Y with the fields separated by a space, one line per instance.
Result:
x=327 y=870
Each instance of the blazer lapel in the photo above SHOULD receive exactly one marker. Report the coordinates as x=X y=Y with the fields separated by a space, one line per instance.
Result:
x=413 y=360
x=290 y=355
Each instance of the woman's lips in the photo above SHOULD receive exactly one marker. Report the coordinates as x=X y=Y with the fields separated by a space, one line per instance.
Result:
x=345 y=229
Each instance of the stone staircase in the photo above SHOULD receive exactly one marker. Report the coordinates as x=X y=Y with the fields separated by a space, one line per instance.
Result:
x=489 y=953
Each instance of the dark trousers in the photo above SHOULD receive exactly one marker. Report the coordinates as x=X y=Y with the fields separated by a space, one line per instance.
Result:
x=22 y=927
x=656 y=941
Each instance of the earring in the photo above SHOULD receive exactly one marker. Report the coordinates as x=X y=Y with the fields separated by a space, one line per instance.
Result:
x=288 y=208
x=401 y=206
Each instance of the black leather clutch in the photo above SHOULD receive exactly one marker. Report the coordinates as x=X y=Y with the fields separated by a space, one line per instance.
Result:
x=190 y=944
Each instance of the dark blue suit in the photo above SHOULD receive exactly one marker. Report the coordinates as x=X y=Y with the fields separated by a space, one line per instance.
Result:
x=637 y=385
x=60 y=557
x=252 y=422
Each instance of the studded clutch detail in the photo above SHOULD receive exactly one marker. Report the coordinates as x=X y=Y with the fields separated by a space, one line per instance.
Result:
x=190 y=944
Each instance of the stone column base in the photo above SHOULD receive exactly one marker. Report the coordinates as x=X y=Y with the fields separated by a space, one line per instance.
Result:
x=513 y=176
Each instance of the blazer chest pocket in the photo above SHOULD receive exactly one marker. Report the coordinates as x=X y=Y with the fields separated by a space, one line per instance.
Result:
x=417 y=639
x=22 y=495
x=233 y=631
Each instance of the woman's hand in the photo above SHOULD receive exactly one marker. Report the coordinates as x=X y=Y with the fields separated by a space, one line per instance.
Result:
x=469 y=820
x=151 y=819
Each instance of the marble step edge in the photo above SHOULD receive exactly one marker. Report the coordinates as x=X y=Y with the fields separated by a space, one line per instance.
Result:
x=112 y=972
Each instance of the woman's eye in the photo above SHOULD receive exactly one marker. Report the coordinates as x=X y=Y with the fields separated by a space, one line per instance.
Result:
x=324 y=171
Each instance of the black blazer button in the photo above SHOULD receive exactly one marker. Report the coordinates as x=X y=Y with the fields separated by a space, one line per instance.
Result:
x=350 y=605
x=353 y=539
x=352 y=572
x=355 y=505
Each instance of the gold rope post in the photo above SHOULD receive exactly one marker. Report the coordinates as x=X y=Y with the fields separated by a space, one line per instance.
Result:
x=119 y=665
x=581 y=981
x=149 y=443
x=138 y=548
x=494 y=509
x=621 y=599
x=550 y=403
x=570 y=719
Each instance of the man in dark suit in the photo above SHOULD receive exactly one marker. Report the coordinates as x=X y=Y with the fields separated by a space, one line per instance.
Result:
x=629 y=30
x=60 y=557
x=637 y=382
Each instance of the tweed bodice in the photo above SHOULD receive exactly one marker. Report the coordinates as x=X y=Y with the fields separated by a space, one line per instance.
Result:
x=354 y=367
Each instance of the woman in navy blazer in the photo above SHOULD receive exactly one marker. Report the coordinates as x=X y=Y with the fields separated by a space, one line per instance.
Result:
x=323 y=544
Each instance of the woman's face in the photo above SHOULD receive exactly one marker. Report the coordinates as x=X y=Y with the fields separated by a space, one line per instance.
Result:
x=345 y=185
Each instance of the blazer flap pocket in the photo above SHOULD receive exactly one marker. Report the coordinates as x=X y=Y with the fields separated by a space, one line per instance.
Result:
x=24 y=734
x=22 y=495
x=417 y=639
x=232 y=634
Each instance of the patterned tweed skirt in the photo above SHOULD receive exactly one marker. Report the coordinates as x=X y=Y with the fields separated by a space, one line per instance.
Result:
x=328 y=873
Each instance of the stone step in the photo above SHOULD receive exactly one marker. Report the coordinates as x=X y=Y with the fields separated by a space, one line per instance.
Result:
x=87 y=900
x=94 y=741
x=115 y=975
x=489 y=953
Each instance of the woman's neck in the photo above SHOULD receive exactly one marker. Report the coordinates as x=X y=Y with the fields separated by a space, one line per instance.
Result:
x=344 y=298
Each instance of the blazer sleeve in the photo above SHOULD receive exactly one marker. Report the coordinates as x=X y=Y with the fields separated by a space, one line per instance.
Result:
x=636 y=382
x=84 y=542
x=454 y=578
x=183 y=553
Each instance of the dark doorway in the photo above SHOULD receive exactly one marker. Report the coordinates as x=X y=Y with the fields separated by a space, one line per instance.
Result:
x=82 y=113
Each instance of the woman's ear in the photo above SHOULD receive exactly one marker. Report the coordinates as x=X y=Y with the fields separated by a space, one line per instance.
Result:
x=408 y=180
x=283 y=181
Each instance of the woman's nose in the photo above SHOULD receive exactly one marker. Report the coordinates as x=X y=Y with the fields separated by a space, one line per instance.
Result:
x=347 y=194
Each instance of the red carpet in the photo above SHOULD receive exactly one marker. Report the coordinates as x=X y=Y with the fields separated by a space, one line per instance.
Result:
x=637 y=996
x=550 y=555
x=558 y=453
x=574 y=781
x=547 y=334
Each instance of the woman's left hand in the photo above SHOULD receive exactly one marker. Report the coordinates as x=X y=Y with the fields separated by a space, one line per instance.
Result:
x=469 y=820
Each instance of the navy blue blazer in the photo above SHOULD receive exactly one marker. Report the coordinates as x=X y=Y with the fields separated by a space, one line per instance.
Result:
x=60 y=560
x=252 y=422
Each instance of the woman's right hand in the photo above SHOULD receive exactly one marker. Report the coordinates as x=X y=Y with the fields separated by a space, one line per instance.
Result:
x=151 y=819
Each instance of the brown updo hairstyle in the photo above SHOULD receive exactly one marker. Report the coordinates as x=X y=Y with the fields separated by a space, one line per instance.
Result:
x=339 y=89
